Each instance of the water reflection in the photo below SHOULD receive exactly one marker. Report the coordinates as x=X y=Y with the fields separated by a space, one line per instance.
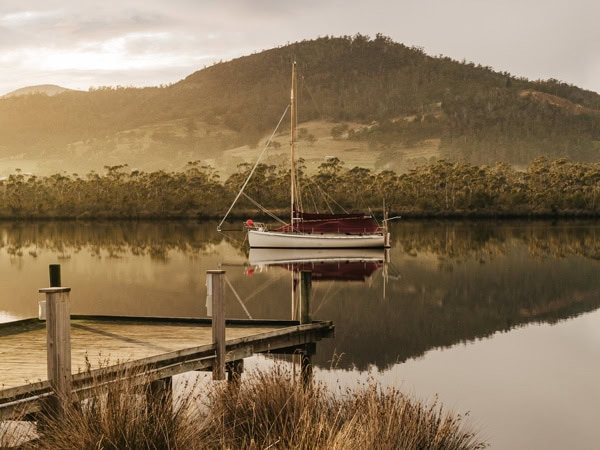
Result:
x=443 y=282
x=116 y=239
x=323 y=264
x=457 y=282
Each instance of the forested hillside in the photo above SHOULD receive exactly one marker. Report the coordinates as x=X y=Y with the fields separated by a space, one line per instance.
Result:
x=390 y=101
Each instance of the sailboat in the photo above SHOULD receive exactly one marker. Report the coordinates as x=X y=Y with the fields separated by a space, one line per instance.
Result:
x=315 y=230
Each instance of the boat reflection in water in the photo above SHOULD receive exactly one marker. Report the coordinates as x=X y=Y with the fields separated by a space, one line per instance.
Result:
x=324 y=264
x=315 y=265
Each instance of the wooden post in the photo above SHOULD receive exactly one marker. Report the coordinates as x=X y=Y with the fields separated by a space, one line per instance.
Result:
x=306 y=356
x=54 y=270
x=161 y=389
x=159 y=394
x=306 y=364
x=58 y=341
x=215 y=289
x=234 y=371
x=159 y=404
x=306 y=280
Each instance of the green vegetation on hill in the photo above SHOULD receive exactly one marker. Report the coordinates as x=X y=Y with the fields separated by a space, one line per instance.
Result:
x=504 y=125
x=401 y=99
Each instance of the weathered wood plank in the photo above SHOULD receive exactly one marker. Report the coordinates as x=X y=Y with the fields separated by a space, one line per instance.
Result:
x=97 y=344
x=157 y=363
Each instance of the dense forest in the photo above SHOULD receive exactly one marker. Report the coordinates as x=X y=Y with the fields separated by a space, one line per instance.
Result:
x=444 y=189
x=386 y=94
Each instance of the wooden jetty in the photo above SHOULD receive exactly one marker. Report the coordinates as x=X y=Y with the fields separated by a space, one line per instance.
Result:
x=63 y=358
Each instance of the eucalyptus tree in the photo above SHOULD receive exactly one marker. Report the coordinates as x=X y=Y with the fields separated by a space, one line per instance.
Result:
x=537 y=178
x=327 y=184
x=203 y=188
x=359 y=187
x=14 y=194
x=386 y=184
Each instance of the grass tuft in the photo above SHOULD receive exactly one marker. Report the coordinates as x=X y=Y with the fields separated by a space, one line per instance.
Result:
x=265 y=410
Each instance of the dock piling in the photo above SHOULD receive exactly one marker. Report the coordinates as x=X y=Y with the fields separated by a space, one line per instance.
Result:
x=215 y=289
x=54 y=272
x=235 y=369
x=306 y=280
x=307 y=351
x=58 y=337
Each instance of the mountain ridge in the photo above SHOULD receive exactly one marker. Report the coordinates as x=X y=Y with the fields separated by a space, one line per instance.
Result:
x=392 y=101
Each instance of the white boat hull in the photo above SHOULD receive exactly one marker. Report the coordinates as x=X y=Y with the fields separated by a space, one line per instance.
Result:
x=274 y=239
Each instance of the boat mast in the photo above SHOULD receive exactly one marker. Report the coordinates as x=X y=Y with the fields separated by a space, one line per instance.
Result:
x=292 y=139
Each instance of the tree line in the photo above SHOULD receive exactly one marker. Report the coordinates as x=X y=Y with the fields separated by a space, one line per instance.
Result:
x=442 y=189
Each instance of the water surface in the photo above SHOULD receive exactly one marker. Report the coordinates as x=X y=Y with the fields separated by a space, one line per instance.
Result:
x=501 y=319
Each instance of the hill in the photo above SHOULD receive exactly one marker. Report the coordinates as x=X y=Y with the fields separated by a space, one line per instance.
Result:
x=369 y=102
x=47 y=89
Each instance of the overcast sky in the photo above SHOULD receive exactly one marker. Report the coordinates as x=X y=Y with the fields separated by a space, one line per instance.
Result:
x=89 y=43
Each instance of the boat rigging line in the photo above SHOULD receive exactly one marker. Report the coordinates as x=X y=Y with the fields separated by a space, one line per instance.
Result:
x=238 y=297
x=253 y=168
x=263 y=209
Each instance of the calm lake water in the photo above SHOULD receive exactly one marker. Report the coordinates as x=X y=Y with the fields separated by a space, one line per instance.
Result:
x=498 y=319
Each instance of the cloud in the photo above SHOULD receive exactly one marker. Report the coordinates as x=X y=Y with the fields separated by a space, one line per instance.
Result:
x=65 y=39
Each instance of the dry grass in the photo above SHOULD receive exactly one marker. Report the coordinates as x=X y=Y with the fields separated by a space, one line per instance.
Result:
x=13 y=433
x=122 y=415
x=271 y=411
x=266 y=410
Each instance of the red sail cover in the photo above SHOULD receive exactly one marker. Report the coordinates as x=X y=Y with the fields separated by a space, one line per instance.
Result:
x=333 y=223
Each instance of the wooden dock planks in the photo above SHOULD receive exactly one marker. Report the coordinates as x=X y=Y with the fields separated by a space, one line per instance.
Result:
x=106 y=348
x=96 y=343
